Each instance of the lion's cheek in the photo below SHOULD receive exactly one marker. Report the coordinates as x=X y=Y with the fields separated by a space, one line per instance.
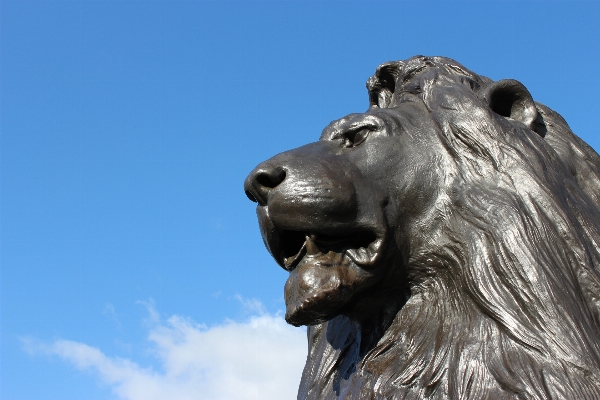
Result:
x=314 y=292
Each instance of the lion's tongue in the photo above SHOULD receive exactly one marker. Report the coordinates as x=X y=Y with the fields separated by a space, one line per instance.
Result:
x=315 y=291
x=321 y=283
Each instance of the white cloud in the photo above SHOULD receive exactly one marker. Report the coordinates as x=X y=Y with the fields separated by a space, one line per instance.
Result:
x=260 y=358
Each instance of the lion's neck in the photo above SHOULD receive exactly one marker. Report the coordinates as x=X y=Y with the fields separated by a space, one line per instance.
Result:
x=438 y=346
x=338 y=348
x=334 y=355
x=347 y=358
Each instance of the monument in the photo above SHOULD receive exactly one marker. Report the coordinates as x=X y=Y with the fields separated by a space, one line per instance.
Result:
x=445 y=244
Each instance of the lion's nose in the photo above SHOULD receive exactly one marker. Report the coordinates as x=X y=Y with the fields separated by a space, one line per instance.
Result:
x=261 y=181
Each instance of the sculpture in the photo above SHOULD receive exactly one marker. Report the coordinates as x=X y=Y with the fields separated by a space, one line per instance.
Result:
x=443 y=244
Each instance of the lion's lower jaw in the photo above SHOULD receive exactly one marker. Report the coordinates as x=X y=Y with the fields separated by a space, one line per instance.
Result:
x=316 y=290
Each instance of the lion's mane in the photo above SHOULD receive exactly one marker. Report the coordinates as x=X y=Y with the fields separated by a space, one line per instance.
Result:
x=507 y=303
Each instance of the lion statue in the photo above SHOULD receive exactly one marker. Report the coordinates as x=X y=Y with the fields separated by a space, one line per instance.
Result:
x=445 y=244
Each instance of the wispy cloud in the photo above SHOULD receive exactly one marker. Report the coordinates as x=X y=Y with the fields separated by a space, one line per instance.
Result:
x=110 y=312
x=260 y=358
x=251 y=306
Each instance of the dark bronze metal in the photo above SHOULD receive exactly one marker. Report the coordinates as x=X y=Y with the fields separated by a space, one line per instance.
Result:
x=445 y=244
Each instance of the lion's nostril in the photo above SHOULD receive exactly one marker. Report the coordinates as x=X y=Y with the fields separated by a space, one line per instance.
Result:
x=261 y=181
x=270 y=179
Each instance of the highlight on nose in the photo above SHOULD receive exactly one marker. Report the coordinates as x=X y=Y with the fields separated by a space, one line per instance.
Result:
x=260 y=182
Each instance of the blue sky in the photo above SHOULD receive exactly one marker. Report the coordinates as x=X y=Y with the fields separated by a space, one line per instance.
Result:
x=127 y=129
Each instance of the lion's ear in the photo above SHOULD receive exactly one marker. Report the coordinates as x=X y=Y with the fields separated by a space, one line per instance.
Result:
x=510 y=98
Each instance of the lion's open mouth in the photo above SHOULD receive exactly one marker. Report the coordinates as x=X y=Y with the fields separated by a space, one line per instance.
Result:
x=361 y=247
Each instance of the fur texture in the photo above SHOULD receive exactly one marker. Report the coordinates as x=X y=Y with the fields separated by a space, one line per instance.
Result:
x=505 y=302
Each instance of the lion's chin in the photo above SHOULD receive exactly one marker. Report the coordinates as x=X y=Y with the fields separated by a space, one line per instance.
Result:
x=317 y=289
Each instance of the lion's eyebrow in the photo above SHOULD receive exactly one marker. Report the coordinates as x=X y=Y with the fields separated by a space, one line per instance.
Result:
x=334 y=128
x=412 y=72
x=364 y=122
x=338 y=129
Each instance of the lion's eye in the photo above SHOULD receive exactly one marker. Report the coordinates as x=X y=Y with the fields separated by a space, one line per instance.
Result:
x=354 y=138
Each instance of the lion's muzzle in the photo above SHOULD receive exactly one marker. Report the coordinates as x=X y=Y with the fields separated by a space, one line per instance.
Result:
x=305 y=188
x=317 y=225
